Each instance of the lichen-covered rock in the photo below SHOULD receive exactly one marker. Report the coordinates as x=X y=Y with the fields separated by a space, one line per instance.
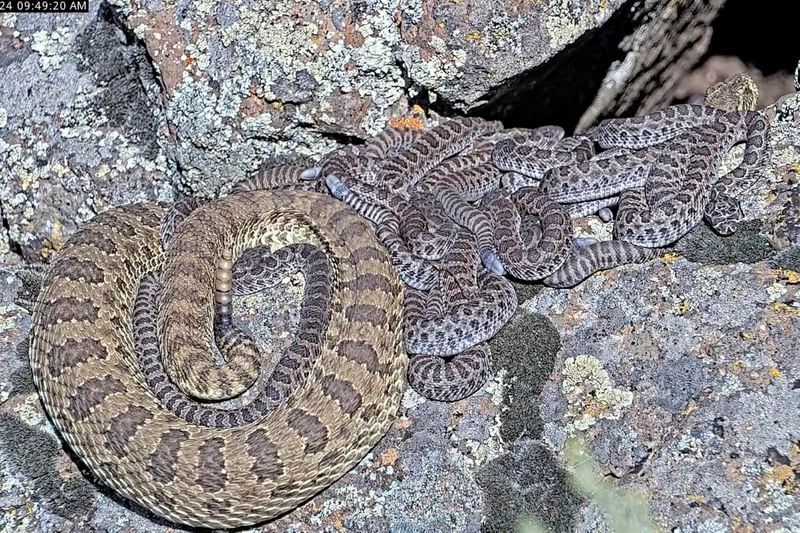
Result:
x=128 y=101
x=701 y=344
x=287 y=79
x=681 y=374
x=79 y=131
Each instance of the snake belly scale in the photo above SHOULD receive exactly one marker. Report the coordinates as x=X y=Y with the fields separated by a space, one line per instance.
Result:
x=84 y=362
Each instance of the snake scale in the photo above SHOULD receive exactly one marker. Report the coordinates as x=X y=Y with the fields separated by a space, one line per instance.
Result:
x=125 y=334
x=85 y=364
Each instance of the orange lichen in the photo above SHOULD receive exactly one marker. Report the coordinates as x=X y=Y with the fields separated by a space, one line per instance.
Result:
x=782 y=475
x=414 y=122
x=389 y=457
x=473 y=36
x=790 y=276
x=338 y=522
x=692 y=407
x=786 y=308
x=697 y=498
x=402 y=423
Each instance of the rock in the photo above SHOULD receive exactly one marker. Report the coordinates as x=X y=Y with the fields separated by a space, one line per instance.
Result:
x=127 y=103
x=717 y=69
x=288 y=81
x=667 y=41
x=704 y=344
x=680 y=375
x=79 y=131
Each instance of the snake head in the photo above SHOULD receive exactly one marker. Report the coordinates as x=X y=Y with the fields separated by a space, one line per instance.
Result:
x=593 y=133
x=605 y=215
x=493 y=263
x=311 y=173
x=338 y=189
x=583 y=242
x=513 y=181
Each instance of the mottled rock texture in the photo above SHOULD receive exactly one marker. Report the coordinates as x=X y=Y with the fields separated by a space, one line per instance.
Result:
x=681 y=374
x=79 y=127
x=129 y=102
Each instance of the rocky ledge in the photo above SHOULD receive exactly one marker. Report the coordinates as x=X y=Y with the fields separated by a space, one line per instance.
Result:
x=662 y=395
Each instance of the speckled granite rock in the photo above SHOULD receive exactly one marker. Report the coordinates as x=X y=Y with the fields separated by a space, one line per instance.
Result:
x=680 y=375
x=124 y=103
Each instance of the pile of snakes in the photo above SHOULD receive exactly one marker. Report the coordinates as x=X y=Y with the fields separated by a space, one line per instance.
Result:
x=466 y=205
x=407 y=244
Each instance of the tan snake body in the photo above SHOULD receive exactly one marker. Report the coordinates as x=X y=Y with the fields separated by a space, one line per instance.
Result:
x=84 y=362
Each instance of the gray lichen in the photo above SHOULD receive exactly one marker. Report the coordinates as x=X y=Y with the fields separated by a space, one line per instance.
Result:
x=84 y=134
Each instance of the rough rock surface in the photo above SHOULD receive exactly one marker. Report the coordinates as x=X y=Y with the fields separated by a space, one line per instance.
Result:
x=126 y=103
x=680 y=375
x=79 y=128
x=670 y=38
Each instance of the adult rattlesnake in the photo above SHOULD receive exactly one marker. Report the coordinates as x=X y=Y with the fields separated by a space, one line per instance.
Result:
x=85 y=364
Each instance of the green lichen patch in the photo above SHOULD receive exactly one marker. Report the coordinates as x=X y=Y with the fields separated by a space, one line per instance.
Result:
x=527 y=483
x=526 y=349
x=590 y=393
x=747 y=245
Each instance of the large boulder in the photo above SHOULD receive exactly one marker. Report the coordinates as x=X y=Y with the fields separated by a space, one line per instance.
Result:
x=127 y=102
